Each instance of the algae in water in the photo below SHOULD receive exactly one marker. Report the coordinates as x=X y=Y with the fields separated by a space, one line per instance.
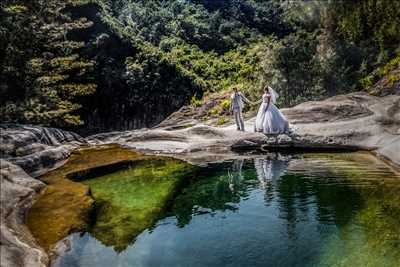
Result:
x=131 y=200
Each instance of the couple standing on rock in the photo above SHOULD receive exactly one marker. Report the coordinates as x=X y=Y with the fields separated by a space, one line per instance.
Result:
x=269 y=120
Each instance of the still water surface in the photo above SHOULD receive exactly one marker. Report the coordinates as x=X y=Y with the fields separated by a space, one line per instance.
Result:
x=308 y=210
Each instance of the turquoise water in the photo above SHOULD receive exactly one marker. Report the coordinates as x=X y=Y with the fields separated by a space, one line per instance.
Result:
x=309 y=210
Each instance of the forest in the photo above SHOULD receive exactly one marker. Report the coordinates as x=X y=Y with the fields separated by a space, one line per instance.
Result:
x=124 y=64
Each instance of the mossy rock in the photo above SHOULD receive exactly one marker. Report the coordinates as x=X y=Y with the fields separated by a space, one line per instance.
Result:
x=65 y=206
x=61 y=209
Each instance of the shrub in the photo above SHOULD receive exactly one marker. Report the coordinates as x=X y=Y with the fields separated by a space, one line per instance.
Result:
x=215 y=110
x=221 y=121
x=226 y=104
x=196 y=102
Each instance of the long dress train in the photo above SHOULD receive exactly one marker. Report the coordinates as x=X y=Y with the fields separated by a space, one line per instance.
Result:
x=271 y=120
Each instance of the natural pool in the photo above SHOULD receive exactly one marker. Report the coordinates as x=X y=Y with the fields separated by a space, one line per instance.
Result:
x=305 y=210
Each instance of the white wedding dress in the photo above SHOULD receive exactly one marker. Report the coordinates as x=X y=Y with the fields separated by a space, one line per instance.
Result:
x=271 y=120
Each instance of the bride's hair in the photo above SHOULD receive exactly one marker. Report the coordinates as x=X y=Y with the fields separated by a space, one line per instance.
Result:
x=266 y=89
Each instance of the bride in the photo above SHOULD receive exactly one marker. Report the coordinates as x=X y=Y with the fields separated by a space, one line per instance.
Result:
x=269 y=118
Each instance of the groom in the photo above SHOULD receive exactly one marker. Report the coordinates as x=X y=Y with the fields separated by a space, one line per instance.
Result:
x=237 y=105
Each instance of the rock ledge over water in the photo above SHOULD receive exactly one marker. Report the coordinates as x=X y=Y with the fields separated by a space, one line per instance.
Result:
x=348 y=122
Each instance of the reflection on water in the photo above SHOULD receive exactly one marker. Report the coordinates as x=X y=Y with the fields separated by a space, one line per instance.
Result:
x=131 y=200
x=312 y=210
x=269 y=170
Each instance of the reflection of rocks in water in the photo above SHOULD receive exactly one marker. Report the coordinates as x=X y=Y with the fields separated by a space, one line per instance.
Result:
x=217 y=189
x=378 y=189
x=332 y=187
x=131 y=200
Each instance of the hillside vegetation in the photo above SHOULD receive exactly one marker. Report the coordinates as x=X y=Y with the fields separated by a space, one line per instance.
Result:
x=123 y=64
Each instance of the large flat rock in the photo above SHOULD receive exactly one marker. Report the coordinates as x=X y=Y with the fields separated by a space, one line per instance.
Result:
x=356 y=122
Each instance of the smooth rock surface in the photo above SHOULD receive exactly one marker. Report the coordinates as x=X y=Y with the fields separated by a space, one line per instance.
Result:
x=20 y=140
x=36 y=149
x=355 y=122
x=376 y=129
x=26 y=152
x=18 y=247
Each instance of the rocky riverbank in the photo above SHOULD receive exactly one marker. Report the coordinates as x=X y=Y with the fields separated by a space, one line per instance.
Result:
x=351 y=122
x=26 y=152
x=346 y=122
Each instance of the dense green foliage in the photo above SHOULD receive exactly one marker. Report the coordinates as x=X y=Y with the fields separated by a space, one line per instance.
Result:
x=372 y=31
x=41 y=65
x=305 y=49
x=142 y=54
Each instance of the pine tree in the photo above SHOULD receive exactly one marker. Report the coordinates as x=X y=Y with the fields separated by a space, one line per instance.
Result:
x=55 y=75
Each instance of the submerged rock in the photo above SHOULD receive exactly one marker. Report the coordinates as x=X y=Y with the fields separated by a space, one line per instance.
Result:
x=65 y=206
x=128 y=200
x=131 y=200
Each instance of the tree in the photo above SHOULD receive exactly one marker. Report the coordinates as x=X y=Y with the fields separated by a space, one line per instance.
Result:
x=292 y=67
x=52 y=72
x=371 y=25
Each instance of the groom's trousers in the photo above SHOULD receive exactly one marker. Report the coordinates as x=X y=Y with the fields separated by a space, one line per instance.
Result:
x=237 y=113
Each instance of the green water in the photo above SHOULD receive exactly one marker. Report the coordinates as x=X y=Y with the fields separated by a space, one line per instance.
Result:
x=129 y=201
x=309 y=210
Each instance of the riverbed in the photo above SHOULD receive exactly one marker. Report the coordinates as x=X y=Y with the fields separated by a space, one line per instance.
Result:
x=315 y=209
